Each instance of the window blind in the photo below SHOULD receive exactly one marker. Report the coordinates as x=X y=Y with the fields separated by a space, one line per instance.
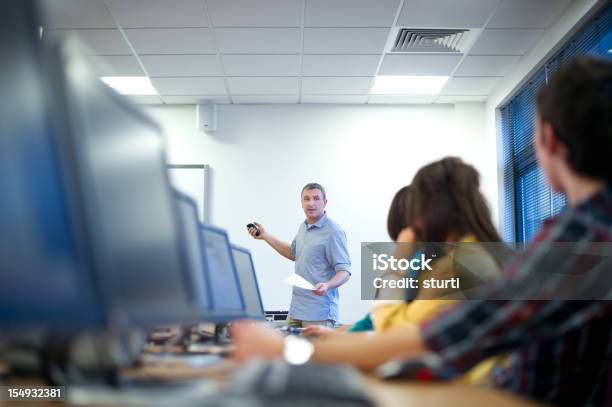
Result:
x=528 y=200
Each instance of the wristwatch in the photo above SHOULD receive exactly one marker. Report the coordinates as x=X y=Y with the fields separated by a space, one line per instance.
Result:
x=297 y=351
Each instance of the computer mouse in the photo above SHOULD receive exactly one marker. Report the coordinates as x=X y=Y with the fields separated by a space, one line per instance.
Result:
x=424 y=369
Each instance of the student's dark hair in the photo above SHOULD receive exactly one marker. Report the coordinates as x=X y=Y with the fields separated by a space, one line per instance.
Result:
x=397 y=218
x=577 y=102
x=314 y=185
x=446 y=199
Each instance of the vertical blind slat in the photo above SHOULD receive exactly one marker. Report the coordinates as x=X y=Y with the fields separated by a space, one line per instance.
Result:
x=528 y=200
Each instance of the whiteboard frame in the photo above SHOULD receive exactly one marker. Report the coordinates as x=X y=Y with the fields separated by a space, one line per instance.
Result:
x=205 y=213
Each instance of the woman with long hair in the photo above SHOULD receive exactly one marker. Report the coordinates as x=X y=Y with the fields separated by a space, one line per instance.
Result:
x=449 y=214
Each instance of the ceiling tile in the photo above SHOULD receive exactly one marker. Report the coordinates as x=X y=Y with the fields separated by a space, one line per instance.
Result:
x=402 y=99
x=77 y=14
x=474 y=65
x=189 y=86
x=419 y=64
x=158 y=13
x=258 y=40
x=350 y=13
x=193 y=100
x=469 y=86
x=181 y=65
x=264 y=99
x=111 y=65
x=255 y=13
x=97 y=42
x=171 y=40
x=261 y=65
x=460 y=98
x=446 y=13
x=263 y=86
x=345 y=40
x=527 y=13
x=340 y=65
x=341 y=99
x=336 y=85
x=145 y=99
x=505 y=42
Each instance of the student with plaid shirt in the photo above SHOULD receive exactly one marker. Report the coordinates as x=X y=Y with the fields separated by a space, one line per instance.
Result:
x=560 y=350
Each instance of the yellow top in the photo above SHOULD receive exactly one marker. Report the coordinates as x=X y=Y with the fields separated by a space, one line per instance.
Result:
x=473 y=265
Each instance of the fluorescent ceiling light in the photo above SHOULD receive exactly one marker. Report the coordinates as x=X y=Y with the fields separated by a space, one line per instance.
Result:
x=408 y=85
x=130 y=85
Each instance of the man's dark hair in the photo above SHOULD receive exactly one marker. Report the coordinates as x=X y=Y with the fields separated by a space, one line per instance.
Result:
x=314 y=185
x=577 y=102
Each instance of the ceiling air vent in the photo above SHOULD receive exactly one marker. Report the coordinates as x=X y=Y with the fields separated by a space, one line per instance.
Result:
x=429 y=40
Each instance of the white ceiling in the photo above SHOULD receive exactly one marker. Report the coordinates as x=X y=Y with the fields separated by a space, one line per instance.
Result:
x=299 y=51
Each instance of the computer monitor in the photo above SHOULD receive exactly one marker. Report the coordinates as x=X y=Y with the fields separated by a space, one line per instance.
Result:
x=114 y=157
x=227 y=298
x=46 y=279
x=190 y=227
x=248 y=283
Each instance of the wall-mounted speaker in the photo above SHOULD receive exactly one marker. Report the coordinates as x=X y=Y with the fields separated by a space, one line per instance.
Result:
x=206 y=117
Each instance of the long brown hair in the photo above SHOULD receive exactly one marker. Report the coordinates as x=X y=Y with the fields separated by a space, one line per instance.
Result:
x=446 y=199
x=397 y=218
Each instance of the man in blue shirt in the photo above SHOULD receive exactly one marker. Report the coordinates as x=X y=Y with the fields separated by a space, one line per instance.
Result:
x=321 y=257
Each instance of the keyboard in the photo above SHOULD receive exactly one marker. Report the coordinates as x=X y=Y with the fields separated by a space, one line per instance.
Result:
x=291 y=330
x=223 y=349
x=277 y=384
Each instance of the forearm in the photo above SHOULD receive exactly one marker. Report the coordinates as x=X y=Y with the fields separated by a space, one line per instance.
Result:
x=340 y=278
x=366 y=351
x=284 y=249
x=343 y=329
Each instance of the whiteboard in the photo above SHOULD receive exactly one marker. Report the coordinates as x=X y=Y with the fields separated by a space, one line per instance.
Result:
x=192 y=180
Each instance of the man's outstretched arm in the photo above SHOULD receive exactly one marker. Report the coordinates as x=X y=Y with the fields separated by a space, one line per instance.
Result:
x=283 y=248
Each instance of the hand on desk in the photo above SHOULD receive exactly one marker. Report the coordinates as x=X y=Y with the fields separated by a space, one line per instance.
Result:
x=363 y=351
x=318 y=331
x=254 y=341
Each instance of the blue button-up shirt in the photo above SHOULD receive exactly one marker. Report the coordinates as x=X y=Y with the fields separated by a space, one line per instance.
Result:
x=320 y=250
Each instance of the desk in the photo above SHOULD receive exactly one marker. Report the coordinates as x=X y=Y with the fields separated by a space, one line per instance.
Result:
x=404 y=394
x=384 y=393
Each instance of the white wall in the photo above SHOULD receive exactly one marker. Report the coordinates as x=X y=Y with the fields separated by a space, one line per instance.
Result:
x=261 y=156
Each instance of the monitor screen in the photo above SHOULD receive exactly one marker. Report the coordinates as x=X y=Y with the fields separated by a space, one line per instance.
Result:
x=116 y=157
x=225 y=288
x=46 y=276
x=248 y=282
x=191 y=235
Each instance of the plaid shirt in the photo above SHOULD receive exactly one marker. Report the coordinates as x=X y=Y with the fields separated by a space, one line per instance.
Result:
x=560 y=350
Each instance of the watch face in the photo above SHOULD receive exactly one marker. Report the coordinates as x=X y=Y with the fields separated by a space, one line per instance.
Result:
x=297 y=351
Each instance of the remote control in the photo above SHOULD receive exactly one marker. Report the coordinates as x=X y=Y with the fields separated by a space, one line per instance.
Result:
x=252 y=225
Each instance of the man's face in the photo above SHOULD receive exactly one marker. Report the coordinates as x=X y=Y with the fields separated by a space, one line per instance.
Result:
x=313 y=204
x=544 y=152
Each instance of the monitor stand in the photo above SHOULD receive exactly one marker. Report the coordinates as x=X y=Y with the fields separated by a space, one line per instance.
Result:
x=222 y=334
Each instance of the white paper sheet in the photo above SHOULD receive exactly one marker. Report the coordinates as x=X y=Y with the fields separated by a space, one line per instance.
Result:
x=299 y=281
